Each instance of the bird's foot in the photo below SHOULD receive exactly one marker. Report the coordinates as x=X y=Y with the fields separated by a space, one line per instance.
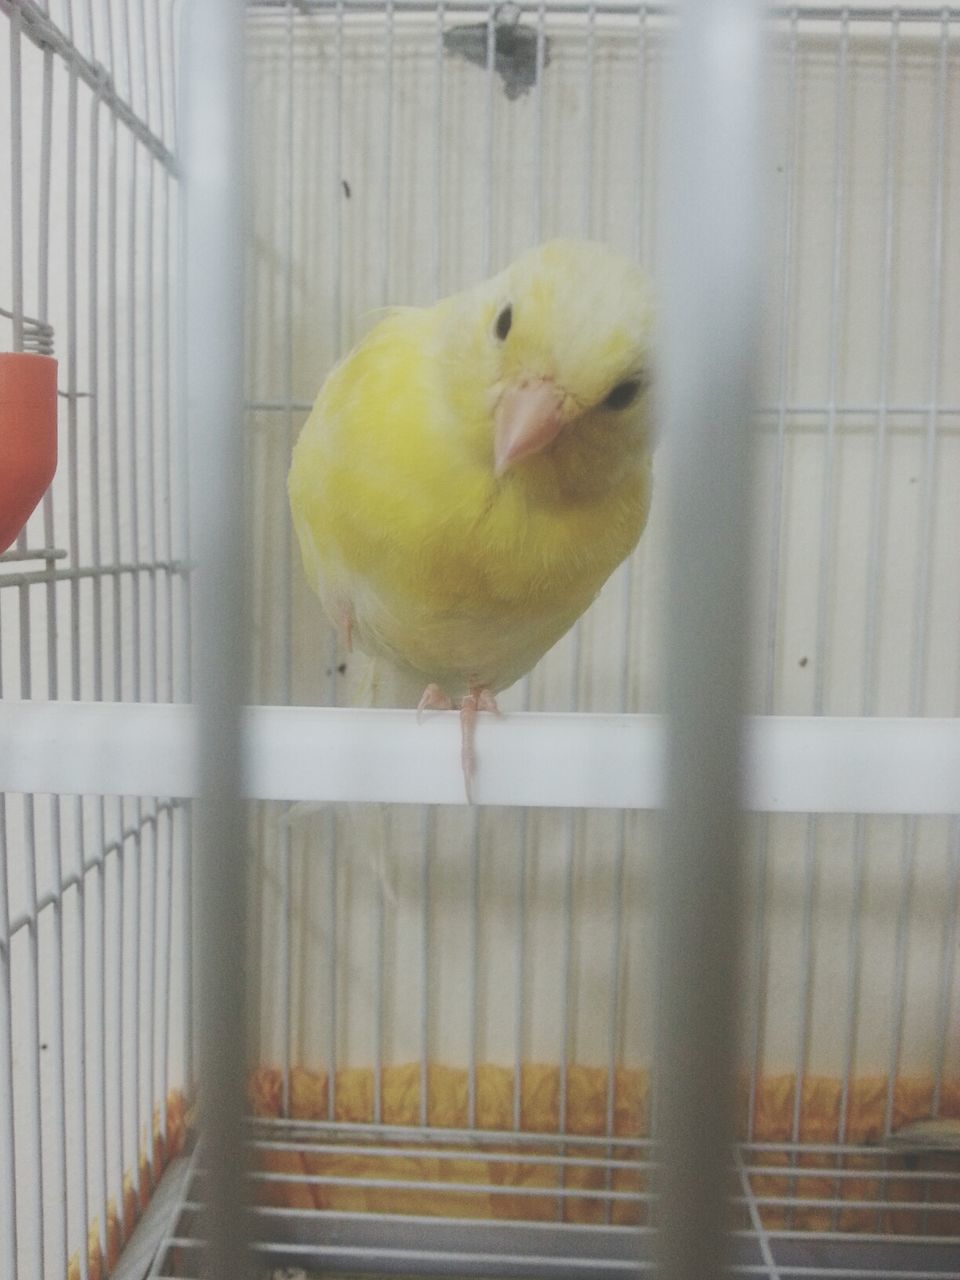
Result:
x=476 y=700
x=433 y=699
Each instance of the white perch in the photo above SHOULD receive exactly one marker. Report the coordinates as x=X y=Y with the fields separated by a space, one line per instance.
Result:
x=795 y=764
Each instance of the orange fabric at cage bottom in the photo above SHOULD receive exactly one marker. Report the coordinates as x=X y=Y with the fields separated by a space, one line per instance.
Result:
x=447 y=1107
x=586 y=1104
x=122 y=1219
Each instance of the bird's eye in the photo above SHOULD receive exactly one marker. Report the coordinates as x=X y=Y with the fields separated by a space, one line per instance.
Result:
x=623 y=394
x=504 y=321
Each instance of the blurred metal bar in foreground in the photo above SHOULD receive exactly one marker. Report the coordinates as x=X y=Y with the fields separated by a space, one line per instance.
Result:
x=710 y=327
x=213 y=166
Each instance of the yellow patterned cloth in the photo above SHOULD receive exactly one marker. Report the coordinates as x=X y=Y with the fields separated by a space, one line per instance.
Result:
x=447 y=1108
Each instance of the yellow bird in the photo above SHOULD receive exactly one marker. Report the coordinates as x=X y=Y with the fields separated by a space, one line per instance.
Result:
x=473 y=472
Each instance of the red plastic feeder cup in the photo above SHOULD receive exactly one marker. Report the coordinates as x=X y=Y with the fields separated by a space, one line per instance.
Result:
x=28 y=437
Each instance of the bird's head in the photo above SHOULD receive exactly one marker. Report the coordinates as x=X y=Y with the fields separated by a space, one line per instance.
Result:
x=560 y=348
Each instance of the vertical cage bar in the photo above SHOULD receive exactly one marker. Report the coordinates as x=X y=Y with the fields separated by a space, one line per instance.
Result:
x=57 y=1043
x=174 y=680
x=286 y=584
x=133 y=495
x=640 y=149
x=180 y=483
x=566 y=962
x=947 y=967
x=88 y=17
x=783 y=371
x=28 y=852
x=40 y=1200
x=80 y=948
x=118 y=927
x=427 y=826
x=112 y=387
x=928 y=490
x=520 y=952
x=332 y=985
x=336 y=334
x=165 y=465
x=83 y=1137
x=921 y=603
x=627 y=572
x=426 y=830
x=619 y=869
x=150 y=397
x=212 y=150
x=144 y=990
x=491 y=54
x=16 y=178
x=438 y=130
x=57 y=1059
x=154 y=300
x=188 y=874
x=379 y=956
x=114 y=930
x=824 y=572
x=877 y=503
x=538 y=135
x=473 y=944
x=73 y=425
x=711 y=327
x=520 y=962
x=337 y=300
x=94 y=421
x=94 y=426
x=877 y=524
x=385 y=266
x=8 y=1152
x=146 y=65
x=613 y=1027
x=162 y=72
x=757 y=981
x=43 y=218
x=386 y=177
x=589 y=141
x=166 y=1012
x=80 y=945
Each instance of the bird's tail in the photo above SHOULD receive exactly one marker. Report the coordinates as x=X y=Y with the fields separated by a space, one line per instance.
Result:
x=367 y=829
x=369 y=682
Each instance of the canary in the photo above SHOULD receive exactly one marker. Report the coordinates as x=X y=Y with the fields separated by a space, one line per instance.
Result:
x=472 y=472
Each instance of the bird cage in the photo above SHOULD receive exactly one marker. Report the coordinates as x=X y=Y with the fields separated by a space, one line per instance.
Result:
x=452 y=1013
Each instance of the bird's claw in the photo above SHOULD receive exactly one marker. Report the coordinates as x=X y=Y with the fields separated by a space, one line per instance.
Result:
x=476 y=700
x=433 y=699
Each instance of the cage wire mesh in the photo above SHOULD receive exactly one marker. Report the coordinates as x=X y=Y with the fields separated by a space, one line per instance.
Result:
x=452 y=1011
x=94 y=1043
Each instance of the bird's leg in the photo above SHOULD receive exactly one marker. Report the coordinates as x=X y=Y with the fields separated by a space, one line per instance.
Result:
x=477 y=699
x=346 y=622
x=433 y=699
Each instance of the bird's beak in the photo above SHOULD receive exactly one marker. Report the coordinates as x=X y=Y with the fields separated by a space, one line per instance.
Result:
x=528 y=418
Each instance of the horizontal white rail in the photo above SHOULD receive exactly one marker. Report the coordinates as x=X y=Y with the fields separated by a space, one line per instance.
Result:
x=795 y=764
